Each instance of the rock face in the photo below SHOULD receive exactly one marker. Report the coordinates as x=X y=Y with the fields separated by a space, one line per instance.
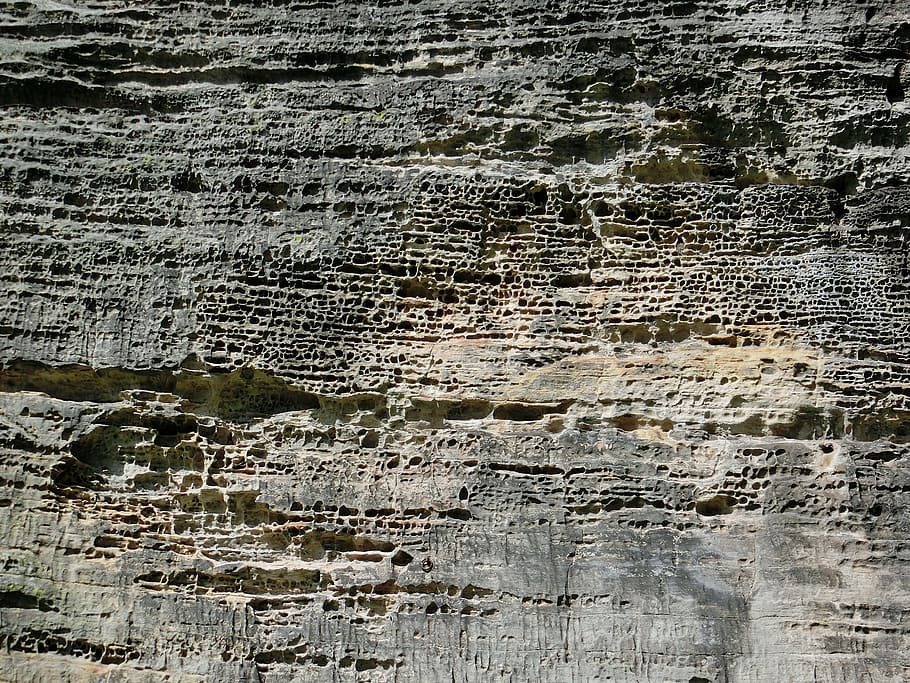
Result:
x=455 y=341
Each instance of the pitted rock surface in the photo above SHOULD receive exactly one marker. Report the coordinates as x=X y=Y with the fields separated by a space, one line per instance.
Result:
x=455 y=341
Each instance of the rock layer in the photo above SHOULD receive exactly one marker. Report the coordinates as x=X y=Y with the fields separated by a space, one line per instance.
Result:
x=447 y=341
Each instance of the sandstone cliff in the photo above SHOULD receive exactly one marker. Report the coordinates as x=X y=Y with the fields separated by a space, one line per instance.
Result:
x=454 y=341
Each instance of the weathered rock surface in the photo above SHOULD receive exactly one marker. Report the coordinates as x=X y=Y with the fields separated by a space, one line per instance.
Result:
x=455 y=341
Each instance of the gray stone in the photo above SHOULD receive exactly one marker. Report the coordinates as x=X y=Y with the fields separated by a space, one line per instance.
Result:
x=440 y=341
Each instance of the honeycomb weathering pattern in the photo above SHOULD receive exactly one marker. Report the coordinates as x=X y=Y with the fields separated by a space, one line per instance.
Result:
x=454 y=341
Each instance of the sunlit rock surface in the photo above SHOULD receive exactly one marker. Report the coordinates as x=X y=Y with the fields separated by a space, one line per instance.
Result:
x=454 y=341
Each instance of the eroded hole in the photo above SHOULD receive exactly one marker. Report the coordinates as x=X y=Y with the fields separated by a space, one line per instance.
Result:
x=716 y=505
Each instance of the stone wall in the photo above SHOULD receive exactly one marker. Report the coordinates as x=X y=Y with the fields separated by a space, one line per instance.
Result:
x=455 y=341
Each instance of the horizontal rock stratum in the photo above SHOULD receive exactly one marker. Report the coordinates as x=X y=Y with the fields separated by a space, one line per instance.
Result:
x=454 y=341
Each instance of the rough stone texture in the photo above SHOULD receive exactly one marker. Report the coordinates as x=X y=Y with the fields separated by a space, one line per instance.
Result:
x=455 y=341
